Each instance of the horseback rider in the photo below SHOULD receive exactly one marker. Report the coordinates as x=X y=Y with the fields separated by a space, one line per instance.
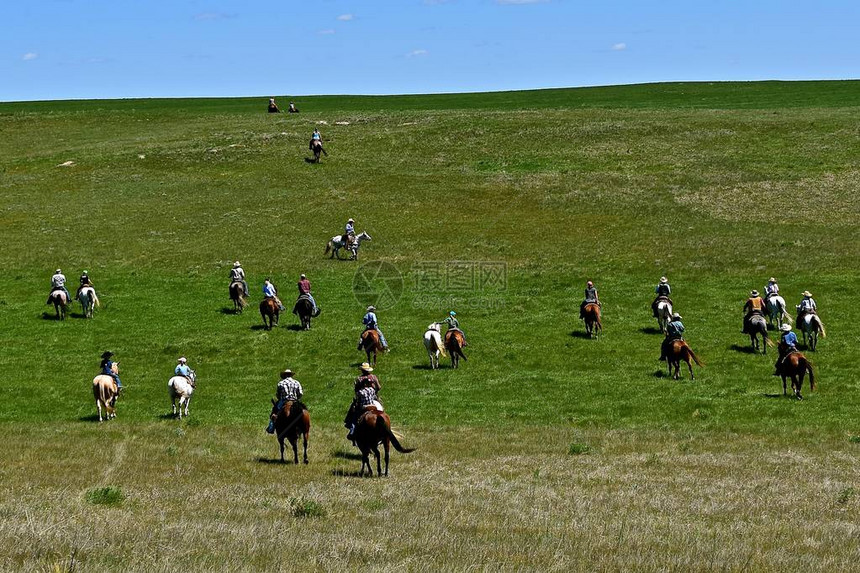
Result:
x=663 y=290
x=58 y=282
x=772 y=289
x=371 y=323
x=454 y=325
x=366 y=388
x=315 y=136
x=806 y=306
x=754 y=305
x=182 y=369
x=349 y=233
x=237 y=275
x=273 y=107
x=293 y=108
x=288 y=391
x=590 y=298
x=271 y=291
x=787 y=345
x=674 y=331
x=85 y=282
x=305 y=290
x=107 y=368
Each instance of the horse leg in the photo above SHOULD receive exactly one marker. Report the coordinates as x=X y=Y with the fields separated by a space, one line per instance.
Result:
x=305 y=445
x=187 y=403
x=378 y=461
x=99 y=406
x=365 y=461
x=281 y=443
x=387 y=446
x=690 y=366
x=294 y=441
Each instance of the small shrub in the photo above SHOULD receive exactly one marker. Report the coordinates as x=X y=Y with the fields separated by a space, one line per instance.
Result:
x=651 y=460
x=854 y=439
x=306 y=508
x=172 y=450
x=105 y=496
x=845 y=495
x=578 y=449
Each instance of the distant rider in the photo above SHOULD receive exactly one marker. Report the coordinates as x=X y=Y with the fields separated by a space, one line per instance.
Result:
x=754 y=305
x=270 y=291
x=305 y=290
x=58 y=282
x=348 y=234
x=806 y=306
x=663 y=290
x=674 y=331
x=237 y=275
x=85 y=282
x=590 y=298
x=273 y=107
x=454 y=324
x=107 y=365
x=366 y=387
x=787 y=345
x=288 y=391
x=293 y=108
x=371 y=323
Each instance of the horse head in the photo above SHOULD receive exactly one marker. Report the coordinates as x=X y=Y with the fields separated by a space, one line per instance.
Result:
x=363 y=236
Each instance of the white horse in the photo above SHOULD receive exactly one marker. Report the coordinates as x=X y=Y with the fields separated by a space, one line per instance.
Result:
x=776 y=310
x=105 y=392
x=810 y=325
x=336 y=244
x=433 y=344
x=88 y=300
x=180 y=386
x=664 y=315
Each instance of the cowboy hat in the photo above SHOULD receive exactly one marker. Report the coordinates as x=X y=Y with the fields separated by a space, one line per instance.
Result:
x=664 y=280
x=107 y=354
x=771 y=280
x=676 y=315
x=754 y=293
x=371 y=308
x=303 y=276
x=365 y=367
x=287 y=373
x=182 y=360
x=785 y=327
x=236 y=264
x=589 y=283
x=350 y=221
x=806 y=293
x=59 y=272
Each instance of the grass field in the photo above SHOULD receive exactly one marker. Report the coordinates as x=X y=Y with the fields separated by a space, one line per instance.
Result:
x=546 y=450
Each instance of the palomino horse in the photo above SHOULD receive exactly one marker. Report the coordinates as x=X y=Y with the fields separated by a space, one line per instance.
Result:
x=374 y=428
x=105 y=392
x=776 y=310
x=795 y=366
x=270 y=310
x=59 y=300
x=454 y=343
x=304 y=310
x=433 y=344
x=371 y=344
x=758 y=327
x=182 y=388
x=810 y=326
x=336 y=244
x=292 y=421
x=237 y=295
x=664 y=315
x=317 y=147
x=593 y=326
x=88 y=300
x=678 y=351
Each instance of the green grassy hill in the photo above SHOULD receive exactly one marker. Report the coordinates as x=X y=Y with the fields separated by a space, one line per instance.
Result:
x=497 y=205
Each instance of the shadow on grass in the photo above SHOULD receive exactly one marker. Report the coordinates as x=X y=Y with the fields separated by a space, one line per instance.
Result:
x=229 y=310
x=342 y=455
x=661 y=374
x=650 y=330
x=49 y=316
x=743 y=349
x=775 y=395
x=352 y=474
x=442 y=366
x=580 y=334
x=295 y=327
x=261 y=327
x=273 y=462
x=78 y=315
x=89 y=418
x=168 y=416
x=310 y=160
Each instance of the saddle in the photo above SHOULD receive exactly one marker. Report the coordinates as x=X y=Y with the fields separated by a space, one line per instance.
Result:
x=662 y=298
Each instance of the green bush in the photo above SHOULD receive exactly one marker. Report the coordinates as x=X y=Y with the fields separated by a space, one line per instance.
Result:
x=105 y=496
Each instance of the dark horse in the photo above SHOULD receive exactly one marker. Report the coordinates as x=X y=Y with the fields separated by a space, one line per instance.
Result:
x=237 y=295
x=374 y=428
x=593 y=326
x=679 y=350
x=317 y=147
x=454 y=343
x=371 y=344
x=758 y=327
x=269 y=308
x=58 y=299
x=292 y=421
x=304 y=310
x=795 y=366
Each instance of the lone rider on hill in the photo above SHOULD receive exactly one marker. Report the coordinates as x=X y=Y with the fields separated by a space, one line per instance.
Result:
x=590 y=297
x=58 y=282
x=288 y=391
x=366 y=388
x=754 y=305
x=237 y=275
x=787 y=345
x=371 y=323
x=663 y=290
x=674 y=331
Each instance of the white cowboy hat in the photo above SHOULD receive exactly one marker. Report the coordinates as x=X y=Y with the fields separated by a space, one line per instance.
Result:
x=236 y=264
x=287 y=373
x=676 y=315
x=771 y=280
x=350 y=221
x=303 y=276
x=754 y=293
x=371 y=308
x=806 y=293
x=785 y=327
x=366 y=367
x=182 y=360
x=664 y=280
x=59 y=272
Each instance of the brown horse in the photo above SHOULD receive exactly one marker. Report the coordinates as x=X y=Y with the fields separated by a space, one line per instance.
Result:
x=795 y=366
x=593 y=326
x=317 y=147
x=60 y=302
x=292 y=421
x=269 y=309
x=371 y=344
x=454 y=343
x=374 y=428
x=305 y=311
x=105 y=392
x=678 y=351
x=237 y=295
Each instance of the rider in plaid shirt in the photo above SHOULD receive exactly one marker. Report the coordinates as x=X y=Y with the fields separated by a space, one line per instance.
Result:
x=289 y=390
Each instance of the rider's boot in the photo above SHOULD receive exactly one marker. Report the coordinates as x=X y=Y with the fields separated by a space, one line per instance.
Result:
x=271 y=428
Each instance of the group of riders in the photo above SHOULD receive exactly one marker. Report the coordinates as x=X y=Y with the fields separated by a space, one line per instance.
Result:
x=273 y=107
x=58 y=283
x=270 y=291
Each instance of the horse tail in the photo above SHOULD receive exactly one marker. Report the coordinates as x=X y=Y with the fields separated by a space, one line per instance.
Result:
x=437 y=340
x=811 y=375
x=387 y=430
x=328 y=247
x=95 y=299
x=820 y=325
x=694 y=357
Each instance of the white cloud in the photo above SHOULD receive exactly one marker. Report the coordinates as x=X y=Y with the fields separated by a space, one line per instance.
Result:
x=415 y=53
x=619 y=46
x=29 y=56
x=345 y=17
x=510 y=2
x=326 y=32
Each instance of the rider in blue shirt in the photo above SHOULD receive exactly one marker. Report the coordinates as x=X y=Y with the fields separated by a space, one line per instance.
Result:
x=371 y=323
x=674 y=331
x=107 y=365
x=270 y=291
x=182 y=368
x=787 y=345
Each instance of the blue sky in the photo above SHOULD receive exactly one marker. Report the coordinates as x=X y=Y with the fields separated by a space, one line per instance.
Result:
x=62 y=49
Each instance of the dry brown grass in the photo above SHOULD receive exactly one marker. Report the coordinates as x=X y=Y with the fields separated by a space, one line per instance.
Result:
x=209 y=499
